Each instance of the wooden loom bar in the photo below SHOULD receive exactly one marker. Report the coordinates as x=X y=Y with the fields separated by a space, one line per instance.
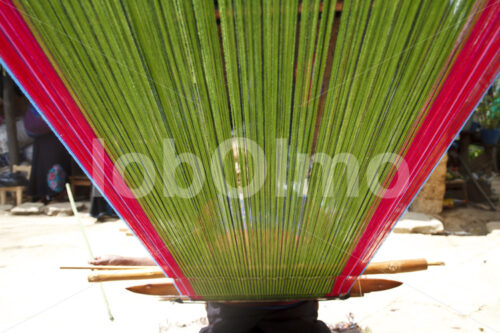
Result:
x=361 y=287
x=119 y=273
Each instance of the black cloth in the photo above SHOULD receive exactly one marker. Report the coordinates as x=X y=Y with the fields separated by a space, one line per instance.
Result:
x=299 y=317
x=99 y=206
x=12 y=179
x=47 y=152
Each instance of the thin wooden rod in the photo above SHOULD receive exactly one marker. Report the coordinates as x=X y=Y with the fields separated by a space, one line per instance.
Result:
x=107 y=268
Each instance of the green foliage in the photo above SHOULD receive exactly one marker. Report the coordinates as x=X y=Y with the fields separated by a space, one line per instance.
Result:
x=488 y=111
x=475 y=151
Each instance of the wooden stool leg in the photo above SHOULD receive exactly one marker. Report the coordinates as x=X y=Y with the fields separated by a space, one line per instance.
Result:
x=3 y=197
x=19 y=196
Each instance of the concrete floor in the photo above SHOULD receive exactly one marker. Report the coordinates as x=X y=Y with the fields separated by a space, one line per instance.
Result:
x=463 y=296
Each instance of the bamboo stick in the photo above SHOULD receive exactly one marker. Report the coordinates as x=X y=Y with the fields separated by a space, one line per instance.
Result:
x=89 y=248
x=118 y=275
x=399 y=266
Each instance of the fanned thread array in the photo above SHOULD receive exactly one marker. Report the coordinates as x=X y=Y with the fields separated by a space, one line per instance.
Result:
x=322 y=93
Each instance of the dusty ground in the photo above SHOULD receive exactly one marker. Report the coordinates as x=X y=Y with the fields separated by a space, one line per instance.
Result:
x=467 y=220
x=471 y=220
x=463 y=296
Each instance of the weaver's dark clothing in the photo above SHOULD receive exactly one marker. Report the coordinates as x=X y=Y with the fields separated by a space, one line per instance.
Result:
x=298 y=317
x=50 y=167
x=99 y=207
